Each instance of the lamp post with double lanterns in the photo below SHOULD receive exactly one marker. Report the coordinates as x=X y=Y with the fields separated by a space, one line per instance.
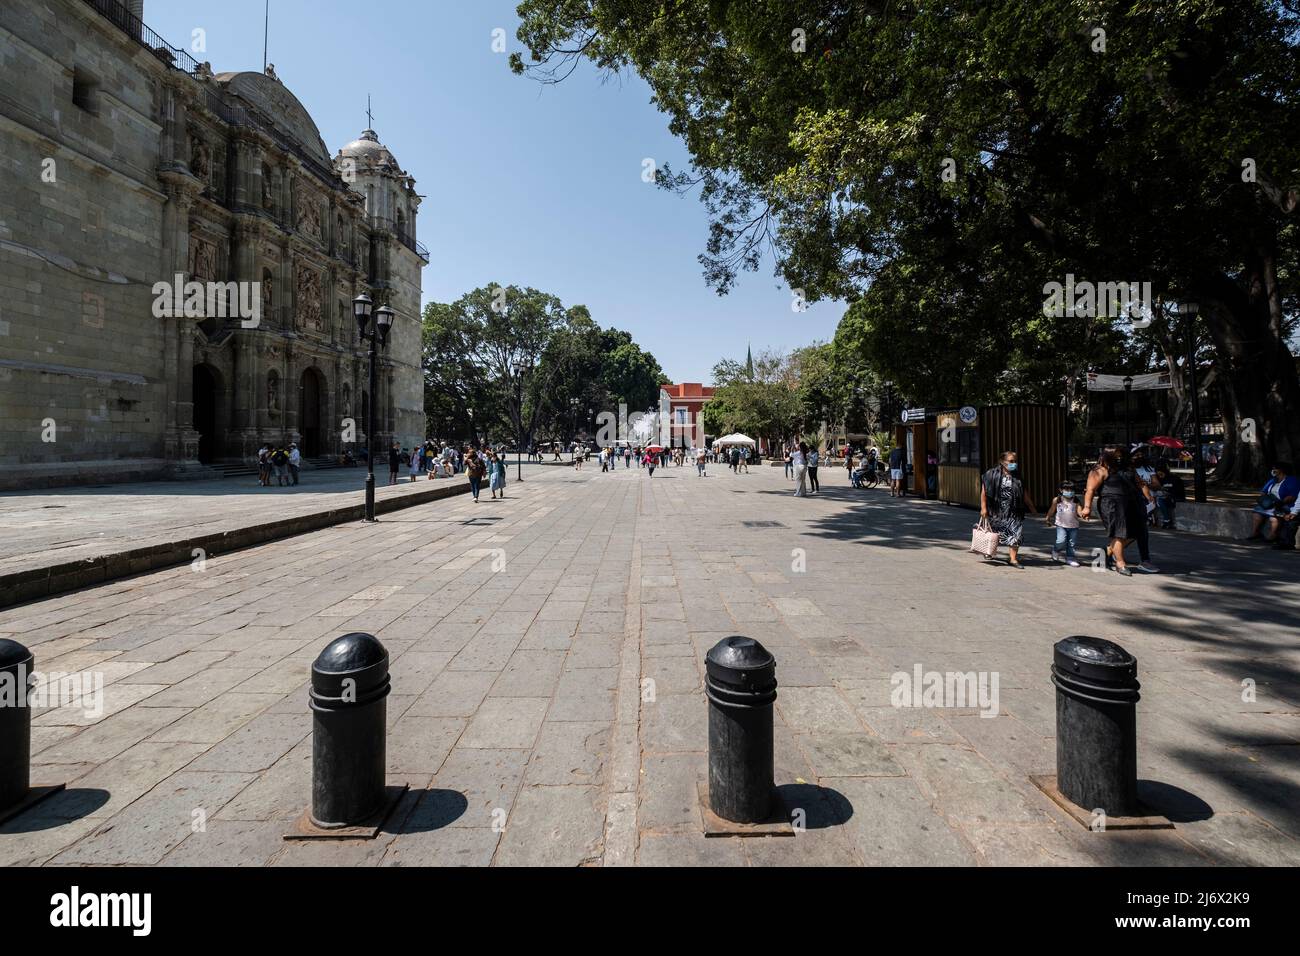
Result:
x=520 y=368
x=1188 y=311
x=377 y=336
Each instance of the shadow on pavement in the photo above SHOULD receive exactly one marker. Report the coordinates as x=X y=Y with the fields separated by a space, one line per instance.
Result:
x=57 y=810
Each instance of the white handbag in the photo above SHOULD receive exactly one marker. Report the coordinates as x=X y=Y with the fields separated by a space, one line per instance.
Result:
x=983 y=539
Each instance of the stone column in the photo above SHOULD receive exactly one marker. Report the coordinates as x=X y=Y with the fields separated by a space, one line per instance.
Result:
x=180 y=442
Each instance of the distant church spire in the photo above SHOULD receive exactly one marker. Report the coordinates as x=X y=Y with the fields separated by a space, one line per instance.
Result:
x=749 y=359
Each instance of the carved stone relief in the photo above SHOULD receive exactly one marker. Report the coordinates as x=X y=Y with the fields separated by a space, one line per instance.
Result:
x=307 y=300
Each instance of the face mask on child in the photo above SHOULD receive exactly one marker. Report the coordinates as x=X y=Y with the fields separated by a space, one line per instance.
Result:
x=1067 y=495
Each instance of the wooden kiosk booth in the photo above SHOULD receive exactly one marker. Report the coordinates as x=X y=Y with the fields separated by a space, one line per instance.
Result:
x=979 y=436
x=915 y=434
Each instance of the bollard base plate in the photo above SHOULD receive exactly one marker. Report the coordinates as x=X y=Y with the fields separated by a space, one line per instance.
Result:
x=304 y=828
x=1150 y=820
x=33 y=796
x=778 y=824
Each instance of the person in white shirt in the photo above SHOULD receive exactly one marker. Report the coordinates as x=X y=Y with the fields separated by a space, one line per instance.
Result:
x=799 y=458
x=295 y=460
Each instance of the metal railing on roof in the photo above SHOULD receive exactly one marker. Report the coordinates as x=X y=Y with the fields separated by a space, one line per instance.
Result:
x=403 y=236
x=234 y=114
x=126 y=21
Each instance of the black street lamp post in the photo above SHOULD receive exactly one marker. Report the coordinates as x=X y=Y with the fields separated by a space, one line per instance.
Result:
x=1188 y=310
x=519 y=369
x=377 y=336
x=1128 y=418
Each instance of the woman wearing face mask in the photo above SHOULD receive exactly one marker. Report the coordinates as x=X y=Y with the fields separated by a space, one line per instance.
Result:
x=1275 y=499
x=1004 y=500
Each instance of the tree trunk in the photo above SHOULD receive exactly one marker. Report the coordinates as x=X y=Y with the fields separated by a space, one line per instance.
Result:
x=1259 y=388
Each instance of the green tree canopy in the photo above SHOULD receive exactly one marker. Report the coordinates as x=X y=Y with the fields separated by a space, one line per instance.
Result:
x=943 y=161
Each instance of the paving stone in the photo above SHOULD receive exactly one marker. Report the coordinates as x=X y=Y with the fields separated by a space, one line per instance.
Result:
x=529 y=674
x=669 y=791
x=148 y=829
x=454 y=694
x=477 y=787
x=508 y=723
x=674 y=722
x=229 y=843
x=217 y=719
x=892 y=824
x=817 y=710
x=689 y=849
x=848 y=755
x=553 y=826
x=569 y=753
x=458 y=846
x=280 y=793
x=965 y=787
x=257 y=745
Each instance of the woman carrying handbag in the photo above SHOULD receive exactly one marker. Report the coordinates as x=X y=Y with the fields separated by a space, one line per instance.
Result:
x=1004 y=500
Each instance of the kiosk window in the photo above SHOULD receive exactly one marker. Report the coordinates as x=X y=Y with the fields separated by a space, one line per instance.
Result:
x=965 y=450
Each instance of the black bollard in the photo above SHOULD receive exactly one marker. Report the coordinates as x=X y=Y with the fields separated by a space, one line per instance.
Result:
x=1096 y=725
x=349 y=687
x=741 y=688
x=15 y=723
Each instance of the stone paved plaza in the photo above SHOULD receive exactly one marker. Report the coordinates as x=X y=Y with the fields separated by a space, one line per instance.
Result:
x=547 y=705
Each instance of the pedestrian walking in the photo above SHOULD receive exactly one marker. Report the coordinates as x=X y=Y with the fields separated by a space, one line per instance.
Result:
x=799 y=459
x=1063 y=512
x=497 y=475
x=1119 y=493
x=789 y=464
x=413 y=463
x=650 y=463
x=474 y=471
x=897 y=462
x=814 y=461
x=701 y=459
x=295 y=462
x=394 y=462
x=1004 y=500
x=264 y=466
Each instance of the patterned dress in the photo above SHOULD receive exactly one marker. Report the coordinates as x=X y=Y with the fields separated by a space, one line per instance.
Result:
x=1009 y=526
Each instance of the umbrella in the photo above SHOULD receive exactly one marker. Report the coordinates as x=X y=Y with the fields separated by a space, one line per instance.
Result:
x=654 y=447
x=1166 y=441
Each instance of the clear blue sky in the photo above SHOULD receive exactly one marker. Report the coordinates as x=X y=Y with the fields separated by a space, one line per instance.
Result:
x=523 y=184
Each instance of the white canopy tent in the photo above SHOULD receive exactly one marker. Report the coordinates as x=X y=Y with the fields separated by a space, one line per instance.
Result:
x=734 y=439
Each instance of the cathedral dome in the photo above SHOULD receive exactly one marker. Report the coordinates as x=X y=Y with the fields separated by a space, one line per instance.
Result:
x=368 y=151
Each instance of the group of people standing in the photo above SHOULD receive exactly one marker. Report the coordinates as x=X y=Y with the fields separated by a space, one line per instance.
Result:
x=477 y=464
x=283 y=463
x=801 y=464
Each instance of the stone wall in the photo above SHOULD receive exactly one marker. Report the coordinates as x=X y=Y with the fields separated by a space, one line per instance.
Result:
x=80 y=216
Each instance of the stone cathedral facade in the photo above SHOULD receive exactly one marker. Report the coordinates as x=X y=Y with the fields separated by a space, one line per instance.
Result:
x=124 y=164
